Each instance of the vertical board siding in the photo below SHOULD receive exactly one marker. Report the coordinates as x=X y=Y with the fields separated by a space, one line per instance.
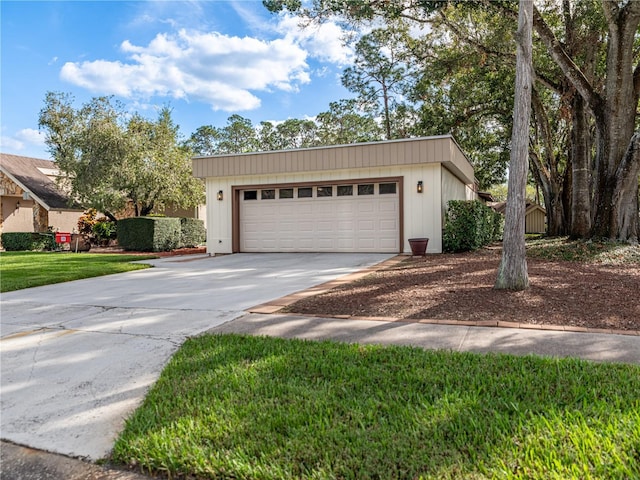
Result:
x=397 y=152
x=420 y=216
x=535 y=221
x=436 y=161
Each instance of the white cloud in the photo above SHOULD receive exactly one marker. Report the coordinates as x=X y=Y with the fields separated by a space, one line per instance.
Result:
x=28 y=142
x=31 y=136
x=323 y=41
x=8 y=144
x=218 y=69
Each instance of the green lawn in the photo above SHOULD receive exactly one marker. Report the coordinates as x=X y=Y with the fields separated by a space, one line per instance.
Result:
x=585 y=251
x=230 y=406
x=31 y=269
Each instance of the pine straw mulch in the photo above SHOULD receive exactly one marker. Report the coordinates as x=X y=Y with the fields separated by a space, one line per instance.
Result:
x=602 y=293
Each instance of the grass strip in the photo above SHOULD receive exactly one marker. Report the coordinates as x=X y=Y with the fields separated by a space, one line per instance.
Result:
x=230 y=406
x=584 y=251
x=20 y=270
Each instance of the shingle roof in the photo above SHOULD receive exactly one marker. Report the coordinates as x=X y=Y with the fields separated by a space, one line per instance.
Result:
x=25 y=172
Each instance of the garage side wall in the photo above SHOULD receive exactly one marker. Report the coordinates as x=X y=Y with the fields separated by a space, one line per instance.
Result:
x=453 y=189
x=421 y=212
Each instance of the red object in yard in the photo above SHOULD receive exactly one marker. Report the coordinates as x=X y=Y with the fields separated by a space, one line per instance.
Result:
x=63 y=237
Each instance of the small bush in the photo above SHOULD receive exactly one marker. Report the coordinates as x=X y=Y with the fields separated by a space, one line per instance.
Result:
x=104 y=230
x=149 y=234
x=192 y=232
x=470 y=225
x=28 y=241
x=98 y=230
x=86 y=222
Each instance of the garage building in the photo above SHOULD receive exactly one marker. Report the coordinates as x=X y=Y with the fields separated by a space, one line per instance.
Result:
x=365 y=197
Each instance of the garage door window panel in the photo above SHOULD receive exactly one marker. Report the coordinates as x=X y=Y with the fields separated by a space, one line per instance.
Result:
x=285 y=193
x=387 y=188
x=250 y=194
x=268 y=194
x=365 y=189
x=305 y=192
x=345 y=190
x=325 y=191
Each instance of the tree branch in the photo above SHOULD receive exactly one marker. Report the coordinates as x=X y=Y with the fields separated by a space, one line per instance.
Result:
x=566 y=64
x=478 y=45
x=611 y=10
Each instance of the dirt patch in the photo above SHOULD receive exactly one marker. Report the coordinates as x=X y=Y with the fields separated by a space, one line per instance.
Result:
x=460 y=287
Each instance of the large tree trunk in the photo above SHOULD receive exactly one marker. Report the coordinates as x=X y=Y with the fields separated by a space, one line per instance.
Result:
x=614 y=110
x=512 y=272
x=580 y=172
x=616 y=195
x=625 y=195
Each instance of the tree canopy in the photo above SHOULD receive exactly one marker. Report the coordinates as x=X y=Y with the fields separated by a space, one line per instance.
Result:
x=111 y=160
x=585 y=121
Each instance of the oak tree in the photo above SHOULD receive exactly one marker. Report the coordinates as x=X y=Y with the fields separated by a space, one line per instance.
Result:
x=111 y=159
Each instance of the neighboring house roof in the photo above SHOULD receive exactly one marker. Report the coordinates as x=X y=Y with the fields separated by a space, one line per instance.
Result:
x=33 y=175
x=500 y=207
x=486 y=196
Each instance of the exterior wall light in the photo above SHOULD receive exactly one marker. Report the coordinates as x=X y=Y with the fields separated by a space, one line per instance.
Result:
x=18 y=205
x=419 y=187
x=220 y=195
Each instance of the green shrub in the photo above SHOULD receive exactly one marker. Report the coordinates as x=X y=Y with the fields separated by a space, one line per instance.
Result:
x=28 y=241
x=149 y=234
x=104 y=230
x=470 y=225
x=192 y=232
x=86 y=222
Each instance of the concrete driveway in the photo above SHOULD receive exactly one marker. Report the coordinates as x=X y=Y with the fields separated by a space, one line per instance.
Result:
x=77 y=358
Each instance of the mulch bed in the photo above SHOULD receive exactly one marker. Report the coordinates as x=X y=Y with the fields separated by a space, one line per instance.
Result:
x=460 y=287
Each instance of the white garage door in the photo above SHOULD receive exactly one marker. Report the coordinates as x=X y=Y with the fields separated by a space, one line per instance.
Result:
x=321 y=218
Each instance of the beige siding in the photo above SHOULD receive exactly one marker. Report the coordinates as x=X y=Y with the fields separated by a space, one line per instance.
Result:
x=17 y=219
x=199 y=212
x=452 y=189
x=420 y=217
x=21 y=219
x=436 y=161
x=416 y=151
x=62 y=221
x=535 y=221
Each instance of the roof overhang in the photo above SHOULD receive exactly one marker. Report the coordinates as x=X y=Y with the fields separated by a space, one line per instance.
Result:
x=411 y=151
x=25 y=188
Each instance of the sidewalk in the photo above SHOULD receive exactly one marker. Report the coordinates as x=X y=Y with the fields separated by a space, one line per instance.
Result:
x=600 y=347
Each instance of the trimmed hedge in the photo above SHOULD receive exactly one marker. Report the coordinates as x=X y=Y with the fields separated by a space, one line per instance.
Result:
x=28 y=241
x=149 y=234
x=192 y=232
x=469 y=225
x=157 y=234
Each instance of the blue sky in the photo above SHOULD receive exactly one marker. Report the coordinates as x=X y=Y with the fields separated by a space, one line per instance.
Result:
x=206 y=60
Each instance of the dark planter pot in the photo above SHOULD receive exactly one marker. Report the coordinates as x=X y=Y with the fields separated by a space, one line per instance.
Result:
x=418 y=246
